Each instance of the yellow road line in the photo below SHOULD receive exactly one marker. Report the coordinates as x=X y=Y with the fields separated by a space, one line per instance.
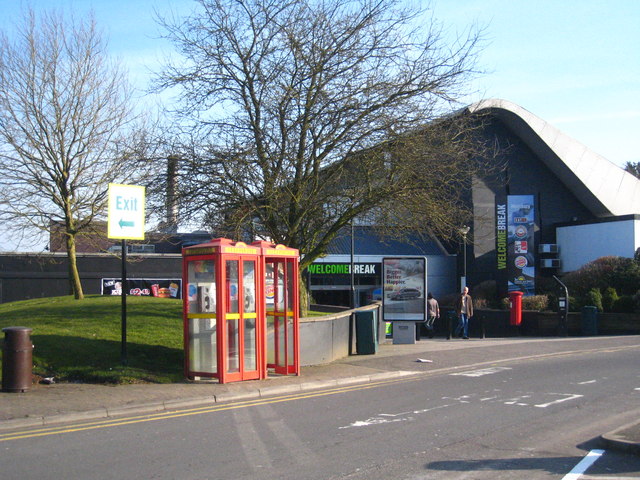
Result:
x=47 y=431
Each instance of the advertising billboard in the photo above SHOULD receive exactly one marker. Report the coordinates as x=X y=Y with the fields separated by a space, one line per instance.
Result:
x=146 y=287
x=515 y=246
x=404 y=289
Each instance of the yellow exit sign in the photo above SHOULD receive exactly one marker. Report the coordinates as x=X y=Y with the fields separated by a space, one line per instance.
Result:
x=126 y=217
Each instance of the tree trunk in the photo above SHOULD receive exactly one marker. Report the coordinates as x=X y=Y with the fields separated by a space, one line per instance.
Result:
x=303 y=295
x=74 y=275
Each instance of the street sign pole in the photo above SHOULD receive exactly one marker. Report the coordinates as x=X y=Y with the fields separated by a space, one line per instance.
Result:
x=126 y=205
x=123 y=346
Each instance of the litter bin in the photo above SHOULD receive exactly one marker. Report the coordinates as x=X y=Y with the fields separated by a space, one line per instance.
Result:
x=366 y=343
x=589 y=320
x=17 y=359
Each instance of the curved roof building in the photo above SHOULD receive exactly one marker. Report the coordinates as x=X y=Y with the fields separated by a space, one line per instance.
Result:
x=603 y=187
x=549 y=207
x=556 y=206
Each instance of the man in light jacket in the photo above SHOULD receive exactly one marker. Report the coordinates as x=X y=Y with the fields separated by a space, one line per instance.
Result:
x=464 y=309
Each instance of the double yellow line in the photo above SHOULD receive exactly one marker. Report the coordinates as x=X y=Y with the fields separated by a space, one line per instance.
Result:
x=116 y=422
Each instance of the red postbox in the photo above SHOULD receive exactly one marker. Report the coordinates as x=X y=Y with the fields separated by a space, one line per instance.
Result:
x=225 y=316
x=515 y=303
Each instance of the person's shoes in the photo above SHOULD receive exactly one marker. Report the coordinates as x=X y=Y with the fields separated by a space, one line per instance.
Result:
x=465 y=338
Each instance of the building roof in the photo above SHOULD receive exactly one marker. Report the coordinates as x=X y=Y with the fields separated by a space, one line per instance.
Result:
x=603 y=187
x=368 y=242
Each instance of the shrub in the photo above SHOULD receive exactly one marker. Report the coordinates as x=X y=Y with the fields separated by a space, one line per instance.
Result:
x=624 y=304
x=504 y=303
x=535 y=302
x=575 y=303
x=486 y=293
x=480 y=303
x=620 y=273
x=609 y=298
x=594 y=297
x=636 y=299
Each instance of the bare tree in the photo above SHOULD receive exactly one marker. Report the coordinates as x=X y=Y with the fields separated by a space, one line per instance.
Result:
x=308 y=114
x=633 y=168
x=64 y=109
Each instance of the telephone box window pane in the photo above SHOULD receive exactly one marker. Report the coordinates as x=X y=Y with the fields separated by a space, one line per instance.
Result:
x=290 y=334
x=250 y=360
x=290 y=283
x=249 y=286
x=232 y=285
x=201 y=287
x=271 y=339
x=280 y=293
x=202 y=345
x=233 y=353
x=281 y=332
x=269 y=286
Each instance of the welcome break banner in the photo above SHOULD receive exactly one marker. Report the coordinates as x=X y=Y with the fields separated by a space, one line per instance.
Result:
x=515 y=247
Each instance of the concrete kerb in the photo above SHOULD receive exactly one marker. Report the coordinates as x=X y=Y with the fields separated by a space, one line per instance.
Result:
x=200 y=402
x=135 y=409
x=190 y=403
x=620 y=438
x=27 y=422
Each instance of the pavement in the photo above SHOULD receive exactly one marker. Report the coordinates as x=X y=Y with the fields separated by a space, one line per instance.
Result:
x=57 y=403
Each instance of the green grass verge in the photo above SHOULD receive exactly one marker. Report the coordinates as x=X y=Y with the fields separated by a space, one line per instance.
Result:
x=81 y=340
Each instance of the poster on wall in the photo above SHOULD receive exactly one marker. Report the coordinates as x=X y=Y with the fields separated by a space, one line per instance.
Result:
x=404 y=289
x=515 y=247
x=147 y=287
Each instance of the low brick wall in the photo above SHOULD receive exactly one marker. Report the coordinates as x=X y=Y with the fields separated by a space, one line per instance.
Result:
x=496 y=324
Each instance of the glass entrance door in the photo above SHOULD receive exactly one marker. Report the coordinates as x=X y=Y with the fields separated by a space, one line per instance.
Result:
x=241 y=352
x=280 y=279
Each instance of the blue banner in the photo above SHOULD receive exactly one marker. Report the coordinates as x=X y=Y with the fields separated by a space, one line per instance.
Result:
x=520 y=261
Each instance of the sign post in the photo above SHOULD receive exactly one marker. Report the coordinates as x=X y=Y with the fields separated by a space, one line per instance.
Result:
x=125 y=221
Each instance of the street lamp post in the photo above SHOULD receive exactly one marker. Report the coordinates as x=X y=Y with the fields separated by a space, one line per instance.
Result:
x=464 y=230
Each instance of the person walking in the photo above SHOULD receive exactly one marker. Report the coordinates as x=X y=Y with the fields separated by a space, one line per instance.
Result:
x=433 y=312
x=464 y=309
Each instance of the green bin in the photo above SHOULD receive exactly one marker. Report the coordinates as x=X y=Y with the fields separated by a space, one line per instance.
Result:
x=589 y=320
x=366 y=333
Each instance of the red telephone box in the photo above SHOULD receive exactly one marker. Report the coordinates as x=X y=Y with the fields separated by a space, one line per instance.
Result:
x=280 y=271
x=224 y=301
x=515 y=302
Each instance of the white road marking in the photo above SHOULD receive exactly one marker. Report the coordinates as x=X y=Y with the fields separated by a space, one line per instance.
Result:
x=587 y=382
x=584 y=465
x=481 y=372
x=517 y=401
x=383 y=418
x=569 y=396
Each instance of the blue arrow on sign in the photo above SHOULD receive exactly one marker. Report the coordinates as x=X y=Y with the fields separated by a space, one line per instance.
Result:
x=126 y=223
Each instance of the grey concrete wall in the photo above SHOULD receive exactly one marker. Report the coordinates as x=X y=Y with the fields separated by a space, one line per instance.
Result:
x=325 y=339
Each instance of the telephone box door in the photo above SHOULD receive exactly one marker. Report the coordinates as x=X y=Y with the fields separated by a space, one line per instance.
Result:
x=281 y=304
x=241 y=327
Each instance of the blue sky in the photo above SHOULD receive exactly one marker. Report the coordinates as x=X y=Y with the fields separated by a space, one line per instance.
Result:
x=574 y=63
